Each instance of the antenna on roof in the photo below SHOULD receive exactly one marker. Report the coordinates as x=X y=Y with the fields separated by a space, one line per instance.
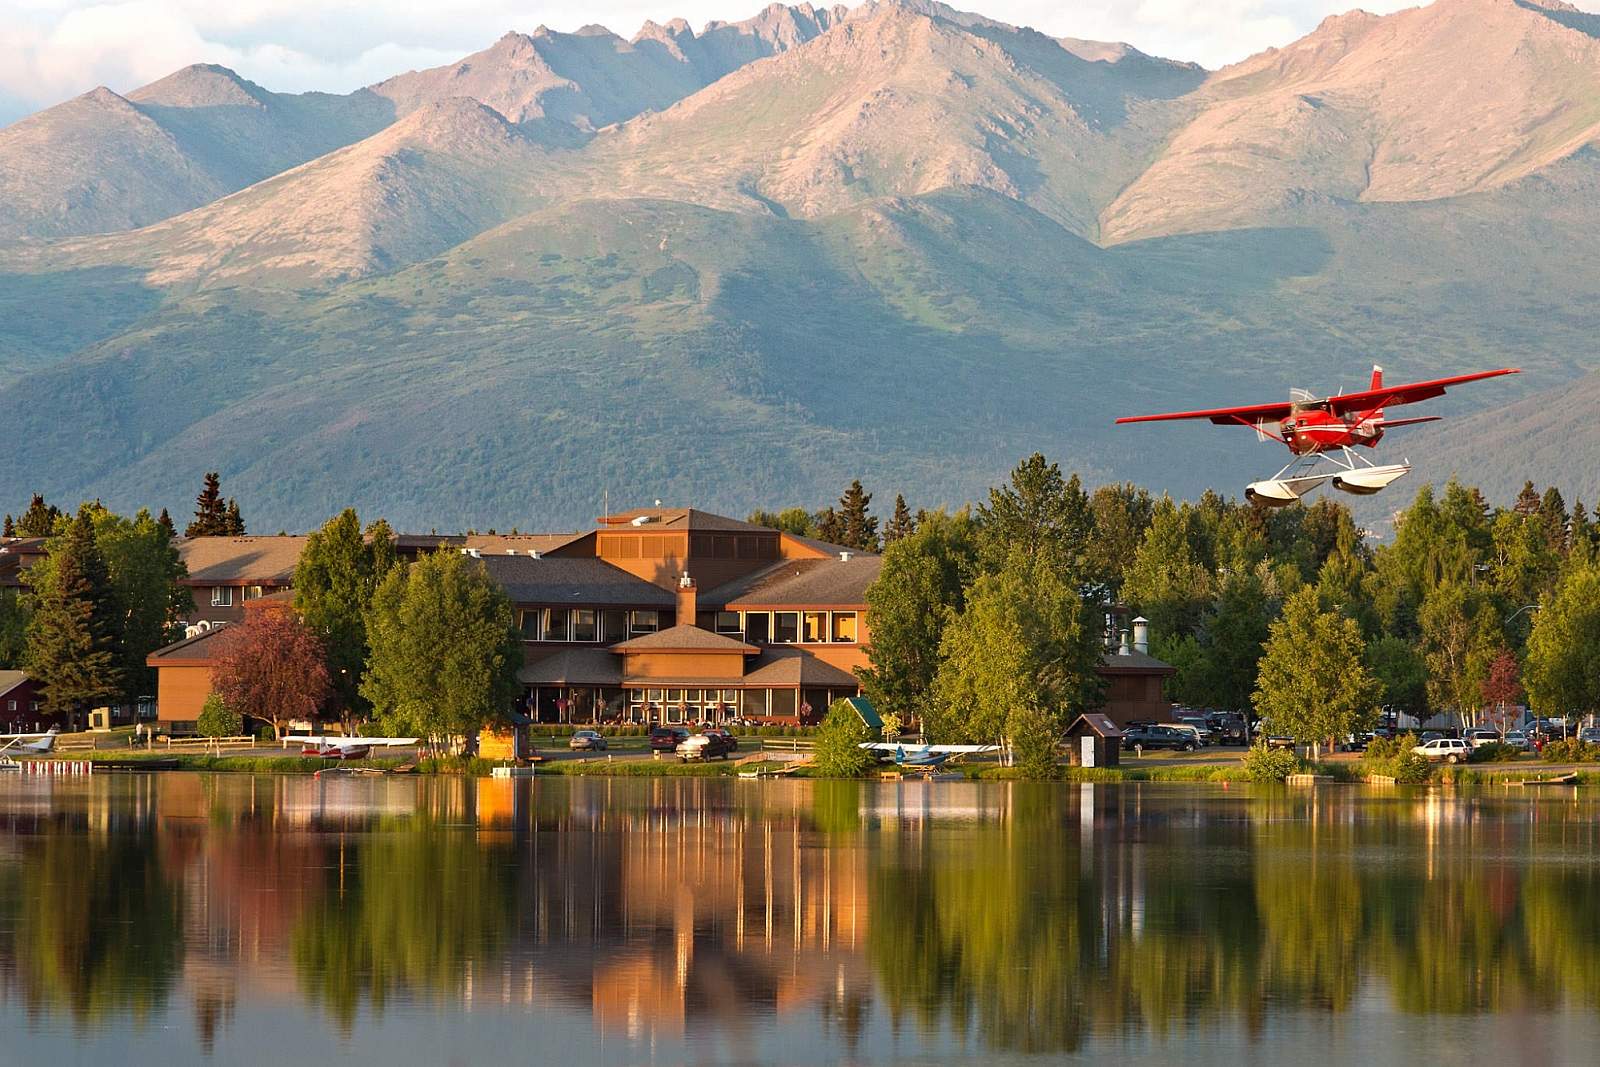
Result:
x=658 y=502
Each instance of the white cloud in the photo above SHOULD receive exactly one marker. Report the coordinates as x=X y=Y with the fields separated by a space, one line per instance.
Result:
x=53 y=49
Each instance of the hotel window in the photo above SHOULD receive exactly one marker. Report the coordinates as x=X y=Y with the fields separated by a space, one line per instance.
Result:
x=814 y=627
x=645 y=622
x=757 y=627
x=655 y=696
x=755 y=702
x=556 y=623
x=254 y=592
x=785 y=627
x=613 y=626
x=11 y=705
x=728 y=623
x=844 y=626
x=222 y=596
x=785 y=703
x=530 y=626
x=583 y=625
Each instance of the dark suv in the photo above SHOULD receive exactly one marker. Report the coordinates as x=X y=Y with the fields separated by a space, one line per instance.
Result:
x=667 y=738
x=1139 y=738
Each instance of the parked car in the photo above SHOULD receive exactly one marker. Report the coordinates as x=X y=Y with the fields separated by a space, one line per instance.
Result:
x=713 y=744
x=1200 y=725
x=587 y=741
x=728 y=738
x=1480 y=737
x=1590 y=735
x=1187 y=727
x=1446 y=749
x=1139 y=738
x=1518 y=740
x=1228 y=726
x=1356 y=742
x=667 y=738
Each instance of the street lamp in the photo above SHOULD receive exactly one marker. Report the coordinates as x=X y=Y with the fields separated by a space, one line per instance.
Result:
x=1520 y=612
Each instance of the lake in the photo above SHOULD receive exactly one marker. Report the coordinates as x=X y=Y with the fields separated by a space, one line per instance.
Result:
x=188 y=919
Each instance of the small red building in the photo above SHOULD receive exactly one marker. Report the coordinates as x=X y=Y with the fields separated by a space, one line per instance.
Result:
x=21 y=707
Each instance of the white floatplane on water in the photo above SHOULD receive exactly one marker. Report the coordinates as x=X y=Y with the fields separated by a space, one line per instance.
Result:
x=926 y=756
x=338 y=747
x=12 y=745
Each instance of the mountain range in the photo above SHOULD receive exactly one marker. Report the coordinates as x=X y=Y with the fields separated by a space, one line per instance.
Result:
x=744 y=265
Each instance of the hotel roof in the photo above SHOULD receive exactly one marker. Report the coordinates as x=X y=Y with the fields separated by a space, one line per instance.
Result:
x=784 y=667
x=678 y=519
x=580 y=581
x=9 y=680
x=801 y=583
x=573 y=666
x=684 y=638
x=197 y=651
x=249 y=560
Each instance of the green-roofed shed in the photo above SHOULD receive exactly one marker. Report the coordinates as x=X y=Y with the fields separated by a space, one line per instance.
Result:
x=869 y=714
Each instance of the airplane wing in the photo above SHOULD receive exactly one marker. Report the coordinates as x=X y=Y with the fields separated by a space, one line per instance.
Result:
x=1411 y=393
x=917 y=750
x=1368 y=400
x=353 y=742
x=1245 y=416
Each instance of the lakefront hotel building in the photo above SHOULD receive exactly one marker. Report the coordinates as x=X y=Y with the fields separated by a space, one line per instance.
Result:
x=677 y=615
x=657 y=615
x=661 y=615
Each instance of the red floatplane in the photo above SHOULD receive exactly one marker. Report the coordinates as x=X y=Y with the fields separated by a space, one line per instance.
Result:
x=1323 y=432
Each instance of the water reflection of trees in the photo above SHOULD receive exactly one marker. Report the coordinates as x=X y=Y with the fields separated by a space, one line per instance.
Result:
x=406 y=912
x=1017 y=917
x=1032 y=936
x=91 y=923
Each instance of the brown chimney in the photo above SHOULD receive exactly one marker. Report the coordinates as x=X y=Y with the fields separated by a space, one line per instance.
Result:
x=686 y=600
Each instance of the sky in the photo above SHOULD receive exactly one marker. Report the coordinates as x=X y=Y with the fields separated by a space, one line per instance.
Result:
x=51 y=50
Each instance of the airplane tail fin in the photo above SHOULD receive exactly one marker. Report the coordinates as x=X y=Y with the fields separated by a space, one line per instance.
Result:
x=1377 y=383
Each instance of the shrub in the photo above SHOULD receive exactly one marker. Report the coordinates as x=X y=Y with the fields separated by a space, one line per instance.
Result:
x=1380 y=749
x=1569 y=751
x=1263 y=764
x=838 y=753
x=1494 y=752
x=1408 y=768
x=217 y=719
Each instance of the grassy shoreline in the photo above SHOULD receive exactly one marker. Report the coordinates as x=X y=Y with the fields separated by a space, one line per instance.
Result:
x=1350 y=772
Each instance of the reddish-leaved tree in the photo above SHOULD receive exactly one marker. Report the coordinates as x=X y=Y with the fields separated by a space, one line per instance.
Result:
x=1502 y=688
x=272 y=666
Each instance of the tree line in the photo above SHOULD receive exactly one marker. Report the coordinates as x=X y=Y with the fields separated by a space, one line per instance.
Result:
x=986 y=622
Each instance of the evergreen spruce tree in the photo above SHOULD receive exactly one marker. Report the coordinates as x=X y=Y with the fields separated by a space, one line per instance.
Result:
x=1528 y=501
x=165 y=522
x=830 y=527
x=1553 y=510
x=210 y=512
x=233 y=524
x=72 y=632
x=860 y=528
x=39 y=520
x=901 y=524
x=10 y=529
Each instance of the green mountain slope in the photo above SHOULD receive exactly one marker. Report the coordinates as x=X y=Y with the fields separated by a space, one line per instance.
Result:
x=657 y=349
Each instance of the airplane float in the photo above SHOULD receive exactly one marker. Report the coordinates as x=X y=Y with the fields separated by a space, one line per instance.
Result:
x=1323 y=432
